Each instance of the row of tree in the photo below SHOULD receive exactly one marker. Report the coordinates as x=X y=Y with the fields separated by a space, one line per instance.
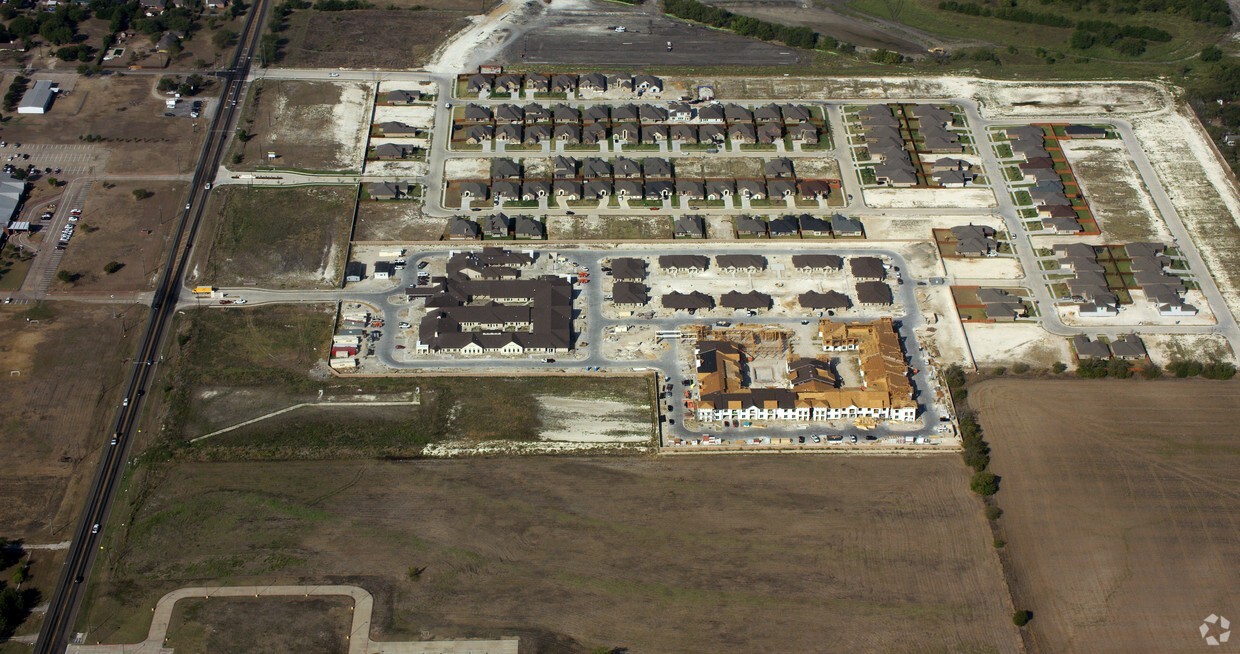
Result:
x=797 y=37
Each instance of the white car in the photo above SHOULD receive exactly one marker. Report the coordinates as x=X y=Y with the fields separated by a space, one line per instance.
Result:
x=333 y=74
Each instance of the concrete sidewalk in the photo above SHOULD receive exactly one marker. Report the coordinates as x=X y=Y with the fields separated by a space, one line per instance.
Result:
x=359 y=631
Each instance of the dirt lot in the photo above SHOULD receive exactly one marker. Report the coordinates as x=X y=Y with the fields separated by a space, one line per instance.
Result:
x=126 y=112
x=1115 y=192
x=116 y=226
x=689 y=554
x=581 y=35
x=277 y=237
x=309 y=125
x=1120 y=519
x=58 y=408
x=346 y=39
x=235 y=365
x=273 y=625
x=396 y=221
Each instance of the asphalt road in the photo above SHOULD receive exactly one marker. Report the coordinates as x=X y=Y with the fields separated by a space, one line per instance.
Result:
x=59 y=618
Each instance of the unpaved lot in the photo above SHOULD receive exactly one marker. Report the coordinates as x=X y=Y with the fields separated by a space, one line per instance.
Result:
x=1120 y=515
x=347 y=39
x=277 y=237
x=576 y=554
x=116 y=226
x=1115 y=192
x=396 y=221
x=308 y=125
x=60 y=372
x=269 y=624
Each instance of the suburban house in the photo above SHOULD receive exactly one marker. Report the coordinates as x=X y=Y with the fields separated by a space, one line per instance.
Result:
x=475 y=190
x=813 y=226
x=505 y=169
x=1000 y=305
x=975 y=240
x=778 y=167
x=691 y=189
x=656 y=167
x=476 y=134
x=647 y=84
x=689 y=227
x=683 y=133
x=597 y=188
x=718 y=189
x=563 y=113
x=528 y=228
x=569 y=134
x=393 y=128
x=535 y=113
x=1090 y=349
x=564 y=167
x=509 y=83
x=569 y=189
x=845 y=227
x=479 y=84
x=392 y=151
x=626 y=168
x=496 y=226
x=742 y=133
x=631 y=189
x=535 y=134
x=509 y=133
x=563 y=83
x=593 y=167
x=794 y=114
x=782 y=227
x=532 y=190
x=748 y=226
x=751 y=188
x=594 y=133
x=461 y=229
x=804 y=132
x=814 y=189
x=387 y=190
x=537 y=82
x=401 y=98
x=1085 y=132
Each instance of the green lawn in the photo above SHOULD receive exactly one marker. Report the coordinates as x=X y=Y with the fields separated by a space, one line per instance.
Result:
x=13 y=267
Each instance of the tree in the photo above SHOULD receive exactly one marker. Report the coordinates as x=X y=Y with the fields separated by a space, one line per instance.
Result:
x=223 y=39
x=993 y=512
x=1218 y=370
x=1183 y=369
x=141 y=194
x=1151 y=371
x=1059 y=367
x=1091 y=369
x=1021 y=618
x=1211 y=53
x=984 y=483
x=113 y=266
x=1119 y=369
x=1020 y=367
x=66 y=277
x=1000 y=371
x=53 y=182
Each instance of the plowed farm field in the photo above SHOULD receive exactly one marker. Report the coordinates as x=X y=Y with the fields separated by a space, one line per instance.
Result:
x=1121 y=508
x=687 y=554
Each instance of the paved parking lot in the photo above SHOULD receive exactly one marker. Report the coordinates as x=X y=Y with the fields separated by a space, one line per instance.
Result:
x=73 y=159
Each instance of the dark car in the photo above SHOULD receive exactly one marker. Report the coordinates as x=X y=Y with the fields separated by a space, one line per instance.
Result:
x=422 y=264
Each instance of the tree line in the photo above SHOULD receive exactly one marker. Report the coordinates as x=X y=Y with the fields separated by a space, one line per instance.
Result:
x=797 y=37
x=1130 y=40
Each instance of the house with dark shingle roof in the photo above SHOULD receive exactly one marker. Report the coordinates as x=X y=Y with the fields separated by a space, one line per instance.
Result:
x=874 y=294
x=818 y=262
x=401 y=98
x=568 y=133
x=813 y=226
x=505 y=169
x=749 y=226
x=867 y=268
x=496 y=226
x=629 y=294
x=688 y=301
x=1090 y=349
x=752 y=300
x=778 y=167
x=829 y=301
x=689 y=227
x=628 y=269
x=461 y=229
x=562 y=113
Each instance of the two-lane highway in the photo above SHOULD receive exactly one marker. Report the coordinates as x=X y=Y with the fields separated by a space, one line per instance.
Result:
x=58 y=621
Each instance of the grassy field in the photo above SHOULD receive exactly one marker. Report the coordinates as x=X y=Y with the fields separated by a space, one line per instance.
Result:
x=277 y=237
x=278 y=626
x=232 y=366
x=717 y=554
x=1120 y=512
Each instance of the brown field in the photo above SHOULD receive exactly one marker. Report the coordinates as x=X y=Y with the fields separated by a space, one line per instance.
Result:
x=272 y=625
x=396 y=221
x=347 y=39
x=58 y=409
x=276 y=237
x=317 y=126
x=125 y=111
x=117 y=227
x=711 y=554
x=1120 y=505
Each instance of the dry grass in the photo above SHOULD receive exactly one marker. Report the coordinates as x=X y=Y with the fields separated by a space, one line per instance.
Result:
x=123 y=110
x=58 y=408
x=1120 y=502
x=689 y=554
x=369 y=38
x=275 y=625
x=117 y=227
x=277 y=237
x=318 y=126
x=396 y=221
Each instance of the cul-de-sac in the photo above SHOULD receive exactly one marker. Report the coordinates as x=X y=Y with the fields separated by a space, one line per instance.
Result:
x=596 y=326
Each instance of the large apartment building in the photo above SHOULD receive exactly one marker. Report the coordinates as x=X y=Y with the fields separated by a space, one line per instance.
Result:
x=812 y=392
x=480 y=307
